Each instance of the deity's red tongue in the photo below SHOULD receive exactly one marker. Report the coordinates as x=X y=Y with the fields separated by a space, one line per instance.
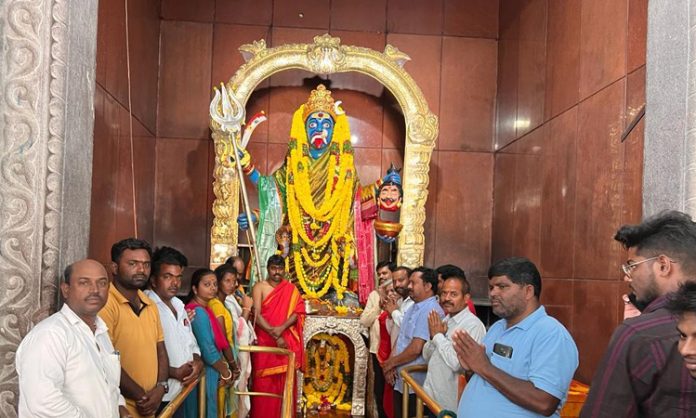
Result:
x=317 y=142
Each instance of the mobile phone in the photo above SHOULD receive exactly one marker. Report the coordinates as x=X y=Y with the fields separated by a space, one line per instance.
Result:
x=502 y=350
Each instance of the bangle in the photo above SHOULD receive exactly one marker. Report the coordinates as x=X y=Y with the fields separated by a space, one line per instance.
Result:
x=228 y=377
x=246 y=309
x=248 y=169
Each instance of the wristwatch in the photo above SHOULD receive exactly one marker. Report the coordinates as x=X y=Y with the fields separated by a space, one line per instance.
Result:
x=165 y=385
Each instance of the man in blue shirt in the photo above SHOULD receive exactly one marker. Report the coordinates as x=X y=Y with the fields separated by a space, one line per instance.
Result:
x=413 y=334
x=528 y=358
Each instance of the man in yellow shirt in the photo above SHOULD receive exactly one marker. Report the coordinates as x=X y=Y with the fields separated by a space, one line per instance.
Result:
x=135 y=329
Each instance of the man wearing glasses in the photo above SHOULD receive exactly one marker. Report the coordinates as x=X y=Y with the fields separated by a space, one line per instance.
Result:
x=642 y=373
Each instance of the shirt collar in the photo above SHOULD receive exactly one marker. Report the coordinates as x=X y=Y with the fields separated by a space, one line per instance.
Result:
x=72 y=317
x=153 y=295
x=113 y=292
x=531 y=319
x=658 y=303
x=460 y=315
x=431 y=298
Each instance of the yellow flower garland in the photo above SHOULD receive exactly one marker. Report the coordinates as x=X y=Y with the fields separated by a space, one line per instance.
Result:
x=334 y=210
x=335 y=393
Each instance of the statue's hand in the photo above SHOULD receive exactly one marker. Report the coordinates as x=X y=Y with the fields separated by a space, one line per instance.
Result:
x=243 y=155
x=388 y=240
x=243 y=220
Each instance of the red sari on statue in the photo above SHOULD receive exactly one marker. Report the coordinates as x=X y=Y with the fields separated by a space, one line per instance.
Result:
x=269 y=369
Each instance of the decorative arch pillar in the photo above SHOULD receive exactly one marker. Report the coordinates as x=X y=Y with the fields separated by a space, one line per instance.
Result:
x=47 y=116
x=327 y=56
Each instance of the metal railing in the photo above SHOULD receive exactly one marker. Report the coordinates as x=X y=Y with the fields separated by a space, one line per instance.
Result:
x=287 y=396
x=175 y=403
x=286 y=409
x=422 y=397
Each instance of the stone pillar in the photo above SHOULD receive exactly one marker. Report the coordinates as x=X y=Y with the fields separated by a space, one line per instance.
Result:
x=47 y=86
x=669 y=168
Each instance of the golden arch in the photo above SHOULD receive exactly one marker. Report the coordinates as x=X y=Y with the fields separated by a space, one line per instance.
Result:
x=327 y=56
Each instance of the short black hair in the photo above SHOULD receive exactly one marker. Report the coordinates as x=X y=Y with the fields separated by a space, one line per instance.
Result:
x=670 y=232
x=428 y=276
x=519 y=270
x=404 y=268
x=196 y=280
x=166 y=255
x=129 y=244
x=275 y=260
x=386 y=263
x=223 y=269
x=462 y=280
x=683 y=300
x=450 y=270
x=67 y=273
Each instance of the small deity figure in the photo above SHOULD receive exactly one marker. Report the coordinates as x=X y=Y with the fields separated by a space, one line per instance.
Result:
x=389 y=199
x=283 y=236
x=317 y=193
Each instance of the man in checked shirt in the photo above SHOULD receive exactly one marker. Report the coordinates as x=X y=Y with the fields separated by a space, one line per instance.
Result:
x=642 y=373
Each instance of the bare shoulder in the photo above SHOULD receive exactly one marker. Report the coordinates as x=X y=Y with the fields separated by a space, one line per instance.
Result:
x=261 y=289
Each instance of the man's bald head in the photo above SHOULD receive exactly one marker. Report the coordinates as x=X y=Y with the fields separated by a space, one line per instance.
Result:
x=82 y=264
x=85 y=288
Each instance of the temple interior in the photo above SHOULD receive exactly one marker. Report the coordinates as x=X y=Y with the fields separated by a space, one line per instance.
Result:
x=532 y=97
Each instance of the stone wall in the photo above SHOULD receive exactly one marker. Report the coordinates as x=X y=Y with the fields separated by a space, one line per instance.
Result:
x=46 y=107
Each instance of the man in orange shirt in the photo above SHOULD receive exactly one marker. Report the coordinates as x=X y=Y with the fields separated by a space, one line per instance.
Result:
x=135 y=329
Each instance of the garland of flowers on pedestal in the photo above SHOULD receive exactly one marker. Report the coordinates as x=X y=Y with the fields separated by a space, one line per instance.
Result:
x=313 y=228
x=328 y=376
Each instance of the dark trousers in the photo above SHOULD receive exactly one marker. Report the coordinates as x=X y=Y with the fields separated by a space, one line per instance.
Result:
x=379 y=386
x=398 y=400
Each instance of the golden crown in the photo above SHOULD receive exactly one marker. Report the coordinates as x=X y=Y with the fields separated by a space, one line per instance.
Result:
x=319 y=100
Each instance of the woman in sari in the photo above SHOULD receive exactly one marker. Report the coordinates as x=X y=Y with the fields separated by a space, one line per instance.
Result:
x=224 y=318
x=219 y=371
x=235 y=317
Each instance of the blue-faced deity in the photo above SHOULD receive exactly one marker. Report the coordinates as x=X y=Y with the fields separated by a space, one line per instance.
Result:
x=320 y=127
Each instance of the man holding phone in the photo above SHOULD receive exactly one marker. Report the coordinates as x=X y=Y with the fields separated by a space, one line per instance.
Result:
x=527 y=359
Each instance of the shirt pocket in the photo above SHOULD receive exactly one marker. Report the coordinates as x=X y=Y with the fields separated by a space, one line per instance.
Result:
x=503 y=363
x=112 y=368
x=515 y=367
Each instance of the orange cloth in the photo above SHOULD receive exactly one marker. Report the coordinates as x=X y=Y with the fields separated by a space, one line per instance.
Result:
x=269 y=369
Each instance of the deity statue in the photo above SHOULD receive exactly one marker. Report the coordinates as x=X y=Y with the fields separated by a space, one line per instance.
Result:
x=317 y=194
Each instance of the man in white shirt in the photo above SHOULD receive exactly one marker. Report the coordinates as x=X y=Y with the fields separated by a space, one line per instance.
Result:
x=67 y=366
x=443 y=364
x=185 y=364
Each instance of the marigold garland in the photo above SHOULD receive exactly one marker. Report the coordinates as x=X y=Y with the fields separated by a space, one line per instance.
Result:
x=313 y=228
x=319 y=386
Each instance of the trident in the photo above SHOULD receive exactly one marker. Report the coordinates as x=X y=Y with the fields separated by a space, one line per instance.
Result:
x=230 y=121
